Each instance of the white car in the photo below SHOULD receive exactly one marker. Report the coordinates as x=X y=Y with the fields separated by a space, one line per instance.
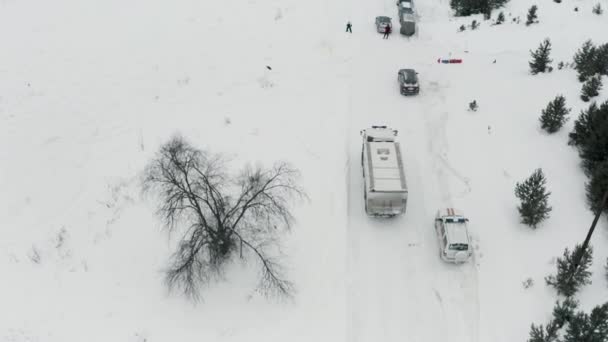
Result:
x=453 y=235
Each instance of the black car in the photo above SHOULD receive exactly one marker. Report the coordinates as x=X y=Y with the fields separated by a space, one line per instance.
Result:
x=408 y=82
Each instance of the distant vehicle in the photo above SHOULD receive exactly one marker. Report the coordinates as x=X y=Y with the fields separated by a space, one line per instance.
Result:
x=408 y=23
x=382 y=22
x=408 y=82
x=406 y=6
x=453 y=235
x=385 y=188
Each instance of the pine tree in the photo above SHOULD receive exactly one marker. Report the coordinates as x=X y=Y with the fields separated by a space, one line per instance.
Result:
x=590 y=136
x=532 y=16
x=567 y=281
x=538 y=334
x=554 y=116
x=588 y=328
x=591 y=88
x=585 y=60
x=597 y=186
x=500 y=19
x=564 y=311
x=533 y=196
x=582 y=126
x=597 y=9
x=540 y=57
x=600 y=61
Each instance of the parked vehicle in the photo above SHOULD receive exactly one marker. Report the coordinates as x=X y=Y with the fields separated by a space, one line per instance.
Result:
x=408 y=82
x=382 y=22
x=408 y=23
x=406 y=6
x=385 y=188
x=453 y=236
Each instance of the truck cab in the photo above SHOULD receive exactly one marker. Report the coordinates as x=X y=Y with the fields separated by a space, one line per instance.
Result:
x=453 y=236
x=385 y=188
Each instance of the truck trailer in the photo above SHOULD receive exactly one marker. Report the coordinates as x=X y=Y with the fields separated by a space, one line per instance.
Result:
x=385 y=188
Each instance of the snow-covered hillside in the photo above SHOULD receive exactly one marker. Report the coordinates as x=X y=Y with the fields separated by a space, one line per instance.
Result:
x=89 y=91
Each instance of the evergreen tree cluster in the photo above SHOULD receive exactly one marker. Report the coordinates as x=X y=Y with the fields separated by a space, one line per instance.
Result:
x=540 y=58
x=590 y=137
x=532 y=193
x=555 y=115
x=468 y=7
x=591 y=88
x=569 y=280
x=581 y=327
x=591 y=60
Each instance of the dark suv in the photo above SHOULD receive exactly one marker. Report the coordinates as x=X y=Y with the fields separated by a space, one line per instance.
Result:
x=408 y=82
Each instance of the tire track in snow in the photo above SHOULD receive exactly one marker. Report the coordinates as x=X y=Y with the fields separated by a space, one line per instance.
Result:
x=463 y=304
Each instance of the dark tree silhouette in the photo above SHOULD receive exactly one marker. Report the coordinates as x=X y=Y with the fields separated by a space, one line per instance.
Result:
x=221 y=216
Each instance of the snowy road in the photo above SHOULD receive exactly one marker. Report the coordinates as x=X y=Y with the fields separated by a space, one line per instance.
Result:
x=398 y=287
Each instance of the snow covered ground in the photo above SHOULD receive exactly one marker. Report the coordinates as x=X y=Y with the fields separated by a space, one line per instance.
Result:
x=88 y=91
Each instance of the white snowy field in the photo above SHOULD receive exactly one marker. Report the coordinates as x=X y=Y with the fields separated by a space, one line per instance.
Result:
x=89 y=91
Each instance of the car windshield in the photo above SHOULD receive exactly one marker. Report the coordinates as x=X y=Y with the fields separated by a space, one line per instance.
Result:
x=455 y=220
x=459 y=247
x=410 y=77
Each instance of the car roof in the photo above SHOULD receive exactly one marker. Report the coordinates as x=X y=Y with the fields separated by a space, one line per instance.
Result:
x=384 y=18
x=457 y=233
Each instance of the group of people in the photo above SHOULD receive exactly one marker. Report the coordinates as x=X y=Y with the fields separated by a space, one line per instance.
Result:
x=387 y=29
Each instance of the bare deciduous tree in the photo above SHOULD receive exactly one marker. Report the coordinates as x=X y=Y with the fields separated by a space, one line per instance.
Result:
x=221 y=216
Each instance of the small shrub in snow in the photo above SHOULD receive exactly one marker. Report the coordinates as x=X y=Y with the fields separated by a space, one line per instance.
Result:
x=473 y=106
x=34 y=255
x=591 y=88
x=543 y=334
x=564 y=311
x=588 y=327
x=560 y=65
x=500 y=19
x=597 y=9
x=462 y=28
x=540 y=57
x=532 y=193
x=474 y=25
x=597 y=186
x=558 y=1
x=528 y=283
x=532 y=16
x=555 y=115
x=568 y=281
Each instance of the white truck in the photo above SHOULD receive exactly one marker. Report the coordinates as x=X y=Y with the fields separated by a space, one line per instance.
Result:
x=385 y=188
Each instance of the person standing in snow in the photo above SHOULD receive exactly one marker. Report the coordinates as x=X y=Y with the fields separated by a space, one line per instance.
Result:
x=387 y=31
x=349 y=27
